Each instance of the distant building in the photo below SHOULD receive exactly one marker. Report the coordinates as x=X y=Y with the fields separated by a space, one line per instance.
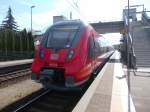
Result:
x=58 y=18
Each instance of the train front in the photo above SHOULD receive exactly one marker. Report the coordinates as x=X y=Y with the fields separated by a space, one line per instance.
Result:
x=57 y=60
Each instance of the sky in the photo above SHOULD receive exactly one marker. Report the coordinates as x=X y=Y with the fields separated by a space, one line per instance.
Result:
x=87 y=10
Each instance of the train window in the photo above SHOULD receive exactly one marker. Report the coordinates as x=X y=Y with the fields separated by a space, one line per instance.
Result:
x=97 y=47
x=61 y=36
x=91 y=48
x=105 y=45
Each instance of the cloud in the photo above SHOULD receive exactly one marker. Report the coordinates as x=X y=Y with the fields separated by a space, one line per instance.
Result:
x=44 y=19
x=40 y=19
x=89 y=10
x=94 y=10
x=101 y=10
x=23 y=20
x=24 y=2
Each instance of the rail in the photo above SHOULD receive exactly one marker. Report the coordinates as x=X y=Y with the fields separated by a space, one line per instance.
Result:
x=13 y=77
x=22 y=107
x=7 y=67
x=51 y=101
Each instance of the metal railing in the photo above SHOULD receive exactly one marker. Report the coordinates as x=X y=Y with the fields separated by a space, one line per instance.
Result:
x=131 y=57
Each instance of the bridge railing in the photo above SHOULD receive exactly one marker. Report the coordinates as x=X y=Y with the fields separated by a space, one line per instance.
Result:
x=130 y=48
x=145 y=17
x=132 y=56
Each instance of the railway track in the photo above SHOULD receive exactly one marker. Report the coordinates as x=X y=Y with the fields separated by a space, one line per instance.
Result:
x=12 y=74
x=9 y=69
x=13 y=77
x=48 y=101
x=52 y=101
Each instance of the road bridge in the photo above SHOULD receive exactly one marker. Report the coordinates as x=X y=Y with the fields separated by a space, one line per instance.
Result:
x=109 y=27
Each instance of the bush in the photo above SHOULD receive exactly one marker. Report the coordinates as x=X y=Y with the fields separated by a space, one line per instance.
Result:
x=16 y=43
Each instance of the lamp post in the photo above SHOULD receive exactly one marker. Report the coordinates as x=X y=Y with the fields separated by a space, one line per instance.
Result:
x=31 y=16
x=128 y=38
x=31 y=28
x=128 y=57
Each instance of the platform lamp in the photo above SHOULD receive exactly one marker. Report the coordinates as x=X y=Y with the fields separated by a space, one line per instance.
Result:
x=31 y=27
x=128 y=58
x=128 y=38
x=31 y=16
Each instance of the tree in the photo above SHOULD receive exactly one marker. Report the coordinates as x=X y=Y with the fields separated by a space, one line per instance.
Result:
x=9 y=22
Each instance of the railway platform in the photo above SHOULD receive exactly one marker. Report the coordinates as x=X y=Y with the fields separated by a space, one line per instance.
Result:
x=116 y=89
x=15 y=63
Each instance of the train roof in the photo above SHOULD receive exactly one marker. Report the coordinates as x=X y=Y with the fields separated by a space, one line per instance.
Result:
x=69 y=22
x=79 y=22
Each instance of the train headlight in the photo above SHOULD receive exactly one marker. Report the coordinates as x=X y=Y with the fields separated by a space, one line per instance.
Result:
x=70 y=54
x=41 y=54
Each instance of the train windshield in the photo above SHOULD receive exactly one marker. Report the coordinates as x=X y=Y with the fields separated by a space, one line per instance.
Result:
x=61 y=36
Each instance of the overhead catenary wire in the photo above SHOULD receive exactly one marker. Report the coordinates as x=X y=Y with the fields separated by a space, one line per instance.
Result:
x=75 y=6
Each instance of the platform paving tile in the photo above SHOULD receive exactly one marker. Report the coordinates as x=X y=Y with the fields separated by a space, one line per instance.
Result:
x=142 y=104
x=101 y=100
x=140 y=90
x=99 y=103
x=109 y=91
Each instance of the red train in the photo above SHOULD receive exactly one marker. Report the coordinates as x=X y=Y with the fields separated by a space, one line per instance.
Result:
x=69 y=53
